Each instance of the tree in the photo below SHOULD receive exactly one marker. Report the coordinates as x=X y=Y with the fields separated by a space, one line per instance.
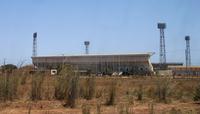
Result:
x=8 y=68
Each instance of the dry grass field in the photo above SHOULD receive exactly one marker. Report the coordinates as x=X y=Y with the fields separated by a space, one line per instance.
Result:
x=22 y=93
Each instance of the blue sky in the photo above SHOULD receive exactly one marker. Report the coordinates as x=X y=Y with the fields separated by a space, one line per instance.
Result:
x=112 y=26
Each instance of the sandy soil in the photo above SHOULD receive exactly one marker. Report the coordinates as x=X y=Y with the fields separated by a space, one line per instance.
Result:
x=56 y=107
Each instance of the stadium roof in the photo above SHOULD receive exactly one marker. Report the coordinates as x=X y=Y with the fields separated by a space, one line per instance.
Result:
x=120 y=54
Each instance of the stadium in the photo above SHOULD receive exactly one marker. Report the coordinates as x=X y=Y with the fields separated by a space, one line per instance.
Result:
x=105 y=64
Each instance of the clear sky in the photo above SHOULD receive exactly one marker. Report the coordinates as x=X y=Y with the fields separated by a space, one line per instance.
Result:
x=112 y=26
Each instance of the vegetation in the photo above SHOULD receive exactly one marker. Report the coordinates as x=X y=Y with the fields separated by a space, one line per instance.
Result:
x=65 y=88
x=139 y=92
x=61 y=87
x=8 y=68
x=163 y=89
x=197 y=94
x=72 y=92
x=125 y=109
x=98 y=108
x=112 y=93
x=36 y=87
x=89 y=88
x=151 y=108
x=85 y=109
x=8 y=87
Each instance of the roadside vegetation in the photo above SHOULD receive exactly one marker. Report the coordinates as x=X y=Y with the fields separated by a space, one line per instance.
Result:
x=92 y=94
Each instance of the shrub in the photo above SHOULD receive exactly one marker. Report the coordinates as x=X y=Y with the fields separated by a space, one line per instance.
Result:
x=112 y=93
x=151 y=92
x=8 y=68
x=197 y=93
x=23 y=79
x=139 y=92
x=151 y=108
x=85 y=109
x=99 y=93
x=36 y=87
x=72 y=92
x=65 y=89
x=61 y=87
x=67 y=85
x=89 y=88
x=125 y=109
x=175 y=111
x=130 y=97
x=98 y=108
x=163 y=88
x=8 y=87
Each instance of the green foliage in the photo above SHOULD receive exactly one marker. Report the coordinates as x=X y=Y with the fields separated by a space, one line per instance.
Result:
x=8 y=68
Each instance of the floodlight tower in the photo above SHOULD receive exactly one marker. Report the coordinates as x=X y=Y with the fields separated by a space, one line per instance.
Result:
x=187 y=51
x=87 y=43
x=34 y=44
x=162 y=26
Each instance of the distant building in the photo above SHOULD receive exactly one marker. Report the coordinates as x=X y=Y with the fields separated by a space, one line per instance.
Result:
x=185 y=71
x=158 y=66
x=133 y=64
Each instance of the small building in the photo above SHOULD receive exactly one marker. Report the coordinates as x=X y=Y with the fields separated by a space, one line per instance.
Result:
x=185 y=71
x=131 y=64
x=165 y=66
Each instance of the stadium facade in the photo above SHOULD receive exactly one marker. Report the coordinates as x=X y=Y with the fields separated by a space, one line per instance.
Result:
x=133 y=64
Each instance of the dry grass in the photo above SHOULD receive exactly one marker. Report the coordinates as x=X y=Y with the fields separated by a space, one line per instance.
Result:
x=117 y=92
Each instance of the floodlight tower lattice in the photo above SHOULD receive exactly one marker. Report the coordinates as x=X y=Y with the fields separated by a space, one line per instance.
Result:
x=161 y=27
x=187 y=51
x=87 y=43
x=34 y=44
